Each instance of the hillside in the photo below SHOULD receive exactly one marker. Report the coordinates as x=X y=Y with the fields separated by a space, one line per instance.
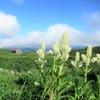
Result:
x=32 y=52
x=26 y=60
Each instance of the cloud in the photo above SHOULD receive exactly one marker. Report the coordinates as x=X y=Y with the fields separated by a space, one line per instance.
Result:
x=18 y=1
x=8 y=24
x=53 y=33
x=92 y=20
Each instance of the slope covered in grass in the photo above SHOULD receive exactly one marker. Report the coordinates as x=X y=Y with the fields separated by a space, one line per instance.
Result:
x=26 y=60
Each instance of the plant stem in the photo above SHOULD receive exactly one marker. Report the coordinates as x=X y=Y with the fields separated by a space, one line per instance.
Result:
x=54 y=69
x=98 y=77
x=86 y=71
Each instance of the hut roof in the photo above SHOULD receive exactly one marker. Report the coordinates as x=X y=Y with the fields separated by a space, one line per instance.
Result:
x=15 y=49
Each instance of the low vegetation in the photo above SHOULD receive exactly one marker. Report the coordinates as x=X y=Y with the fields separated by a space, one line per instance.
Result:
x=58 y=74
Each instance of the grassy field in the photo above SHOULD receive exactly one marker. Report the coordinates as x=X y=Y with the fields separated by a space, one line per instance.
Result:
x=38 y=75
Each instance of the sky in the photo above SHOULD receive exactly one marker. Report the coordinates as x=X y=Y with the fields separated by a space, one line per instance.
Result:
x=28 y=23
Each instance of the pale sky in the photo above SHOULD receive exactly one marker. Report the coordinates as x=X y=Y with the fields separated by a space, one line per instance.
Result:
x=28 y=23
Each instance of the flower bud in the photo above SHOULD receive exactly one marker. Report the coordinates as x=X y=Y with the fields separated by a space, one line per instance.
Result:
x=80 y=64
x=65 y=57
x=76 y=63
x=98 y=61
x=87 y=62
x=39 y=59
x=83 y=57
x=77 y=57
x=98 y=56
x=65 y=49
x=50 y=52
x=64 y=40
x=89 y=51
x=55 y=49
x=94 y=59
x=40 y=53
x=56 y=43
x=73 y=63
x=43 y=47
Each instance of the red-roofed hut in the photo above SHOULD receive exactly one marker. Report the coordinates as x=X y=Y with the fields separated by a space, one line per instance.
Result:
x=17 y=51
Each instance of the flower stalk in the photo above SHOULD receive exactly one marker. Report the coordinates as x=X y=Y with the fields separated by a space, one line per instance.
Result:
x=41 y=61
x=86 y=59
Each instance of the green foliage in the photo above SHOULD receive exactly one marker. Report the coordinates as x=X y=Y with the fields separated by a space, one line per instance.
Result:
x=53 y=77
x=22 y=62
x=8 y=88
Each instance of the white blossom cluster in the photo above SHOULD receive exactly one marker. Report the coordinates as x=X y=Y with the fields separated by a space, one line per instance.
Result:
x=41 y=54
x=62 y=51
x=77 y=63
x=87 y=58
x=96 y=59
x=49 y=52
x=43 y=47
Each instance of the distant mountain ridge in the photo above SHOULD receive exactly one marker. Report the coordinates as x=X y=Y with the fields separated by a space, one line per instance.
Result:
x=50 y=48
x=29 y=49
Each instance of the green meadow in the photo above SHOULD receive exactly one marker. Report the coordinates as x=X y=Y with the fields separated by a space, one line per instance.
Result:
x=61 y=74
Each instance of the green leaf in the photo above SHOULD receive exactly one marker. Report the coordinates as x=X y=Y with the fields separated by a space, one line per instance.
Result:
x=36 y=83
x=89 y=70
